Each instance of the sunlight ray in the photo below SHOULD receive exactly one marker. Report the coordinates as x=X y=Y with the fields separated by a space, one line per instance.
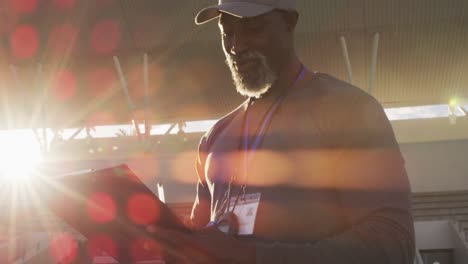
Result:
x=57 y=186
x=89 y=108
x=39 y=104
x=6 y=105
x=39 y=207
x=56 y=64
x=12 y=220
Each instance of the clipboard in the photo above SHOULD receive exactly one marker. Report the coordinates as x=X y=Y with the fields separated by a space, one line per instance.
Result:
x=111 y=202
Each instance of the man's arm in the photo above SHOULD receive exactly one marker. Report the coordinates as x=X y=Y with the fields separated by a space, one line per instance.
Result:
x=201 y=209
x=373 y=190
x=383 y=237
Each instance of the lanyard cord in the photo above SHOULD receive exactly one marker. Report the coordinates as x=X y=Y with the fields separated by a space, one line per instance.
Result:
x=259 y=136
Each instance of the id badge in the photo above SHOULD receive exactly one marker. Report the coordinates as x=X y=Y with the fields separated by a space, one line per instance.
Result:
x=246 y=212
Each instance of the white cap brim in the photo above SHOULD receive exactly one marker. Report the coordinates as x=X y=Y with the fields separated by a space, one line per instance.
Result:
x=237 y=9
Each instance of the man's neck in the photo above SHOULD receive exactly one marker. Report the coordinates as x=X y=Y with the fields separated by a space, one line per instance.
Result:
x=286 y=79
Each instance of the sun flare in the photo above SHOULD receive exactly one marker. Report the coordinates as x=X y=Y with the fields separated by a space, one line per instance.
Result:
x=20 y=155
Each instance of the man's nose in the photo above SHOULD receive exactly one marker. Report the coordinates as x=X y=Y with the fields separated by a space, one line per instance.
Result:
x=239 y=45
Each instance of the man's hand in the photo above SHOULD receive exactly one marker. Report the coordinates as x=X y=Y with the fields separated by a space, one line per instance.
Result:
x=206 y=246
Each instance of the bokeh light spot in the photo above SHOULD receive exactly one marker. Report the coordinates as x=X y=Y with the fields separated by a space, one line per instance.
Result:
x=62 y=39
x=105 y=37
x=453 y=102
x=24 y=6
x=64 y=4
x=24 y=41
x=99 y=244
x=63 y=248
x=142 y=209
x=64 y=85
x=182 y=165
x=101 y=207
x=145 y=166
x=144 y=249
x=101 y=81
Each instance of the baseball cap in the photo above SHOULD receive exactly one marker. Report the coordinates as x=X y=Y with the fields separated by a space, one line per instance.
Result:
x=243 y=8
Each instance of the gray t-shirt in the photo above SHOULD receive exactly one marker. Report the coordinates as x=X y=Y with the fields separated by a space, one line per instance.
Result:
x=331 y=176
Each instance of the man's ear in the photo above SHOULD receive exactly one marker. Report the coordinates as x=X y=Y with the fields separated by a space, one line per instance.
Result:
x=291 y=18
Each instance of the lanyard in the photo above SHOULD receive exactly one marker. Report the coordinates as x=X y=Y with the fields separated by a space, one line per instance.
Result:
x=250 y=150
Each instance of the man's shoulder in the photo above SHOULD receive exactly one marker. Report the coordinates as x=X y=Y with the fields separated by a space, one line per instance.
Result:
x=220 y=124
x=324 y=96
x=333 y=104
x=333 y=90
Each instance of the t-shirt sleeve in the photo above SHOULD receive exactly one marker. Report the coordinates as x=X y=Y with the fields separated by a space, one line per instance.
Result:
x=370 y=174
x=373 y=190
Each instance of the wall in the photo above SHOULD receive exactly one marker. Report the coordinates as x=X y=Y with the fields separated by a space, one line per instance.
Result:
x=437 y=166
x=460 y=247
x=433 y=235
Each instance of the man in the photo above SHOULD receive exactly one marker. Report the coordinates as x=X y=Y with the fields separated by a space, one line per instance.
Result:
x=307 y=170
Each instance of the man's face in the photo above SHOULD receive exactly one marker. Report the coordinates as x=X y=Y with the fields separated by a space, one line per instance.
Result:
x=255 y=49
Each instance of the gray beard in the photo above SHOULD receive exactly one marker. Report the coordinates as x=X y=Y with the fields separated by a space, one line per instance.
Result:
x=255 y=83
